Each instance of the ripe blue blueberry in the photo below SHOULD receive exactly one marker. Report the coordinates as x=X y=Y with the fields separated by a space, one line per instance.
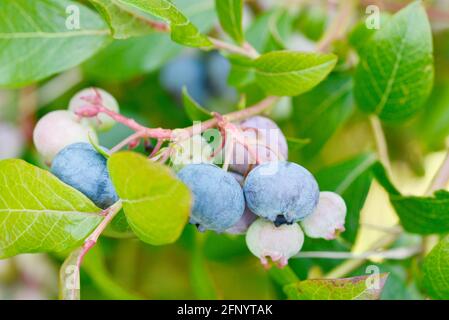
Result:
x=218 y=68
x=82 y=167
x=282 y=192
x=188 y=71
x=218 y=198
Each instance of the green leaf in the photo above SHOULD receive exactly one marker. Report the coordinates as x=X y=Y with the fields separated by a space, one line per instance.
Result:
x=125 y=59
x=230 y=13
x=339 y=289
x=319 y=113
x=39 y=213
x=422 y=215
x=194 y=110
x=242 y=72
x=270 y=31
x=182 y=30
x=288 y=73
x=156 y=204
x=36 y=42
x=124 y=24
x=436 y=271
x=352 y=180
x=395 y=74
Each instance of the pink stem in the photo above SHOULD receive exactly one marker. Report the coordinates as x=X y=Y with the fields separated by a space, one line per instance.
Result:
x=167 y=134
x=157 y=148
x=127 y=141
x=91 y=241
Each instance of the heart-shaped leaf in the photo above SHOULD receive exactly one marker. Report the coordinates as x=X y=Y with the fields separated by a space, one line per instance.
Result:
x=155 y=202
x=39 y=213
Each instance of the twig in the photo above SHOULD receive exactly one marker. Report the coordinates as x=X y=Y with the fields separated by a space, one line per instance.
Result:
x=381 y=142
x=245 y=50
x=70 y=280
x=338 y=26
x=168 y=134
x=393 y=254
x=350 y=265
x=441 y=178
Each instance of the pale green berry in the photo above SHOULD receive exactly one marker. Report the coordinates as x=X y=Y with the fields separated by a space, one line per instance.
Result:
x=58 y=129
x=328 y=219
x=265 y=240
x=102 y=122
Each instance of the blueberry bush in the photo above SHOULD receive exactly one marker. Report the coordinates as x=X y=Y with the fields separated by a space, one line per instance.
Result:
x=166 y=149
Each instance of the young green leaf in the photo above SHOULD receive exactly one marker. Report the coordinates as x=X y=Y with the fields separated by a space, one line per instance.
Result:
x=182 y=30
x=123 y=24
x=39 y=39
x=156 y=204
x=352 y=180
x=422 y=215
x=357 y=288
x=40 y=213
x=395 y=74
x=288 y=73
x=436 y=271
x=230 y=13
x=193 y=108
x=330 y=103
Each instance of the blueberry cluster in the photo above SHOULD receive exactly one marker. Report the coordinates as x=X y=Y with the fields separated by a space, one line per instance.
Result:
x=265 y=200
x=262 y=194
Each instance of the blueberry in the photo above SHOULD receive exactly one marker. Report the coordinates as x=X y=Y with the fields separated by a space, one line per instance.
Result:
x=248 y=216
x=282 y=192
x=102 y=122
x=218 y=68
x=188 y=71
x=82 y=167
x=265 y=240
x=264 y=138
x=328 y=219
x=218 y=198
x=57 y=130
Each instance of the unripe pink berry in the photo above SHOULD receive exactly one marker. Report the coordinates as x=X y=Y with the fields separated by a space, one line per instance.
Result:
x=265 y=240
x=263 y=142
x=58 y=129
x=328 y=219
x=93 y=96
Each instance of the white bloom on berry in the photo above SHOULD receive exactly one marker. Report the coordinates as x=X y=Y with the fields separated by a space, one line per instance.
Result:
x=265 y=240
x=328 y=219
